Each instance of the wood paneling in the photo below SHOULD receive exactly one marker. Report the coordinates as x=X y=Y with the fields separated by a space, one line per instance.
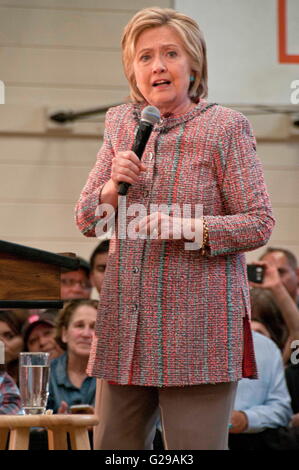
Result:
x=81 y=245
x=54 y=183
x=34 y=220
x=42 y=183
x=24 y=119
x=279 y=155
x=283 y=186
x=287 y=225
x=65 y=55
x=35 y=280
x=65 y=97
x=57 y=221
x=61 y=67
x=48 y=151
x=56 y=28
x=87 y=4
x=254 y=255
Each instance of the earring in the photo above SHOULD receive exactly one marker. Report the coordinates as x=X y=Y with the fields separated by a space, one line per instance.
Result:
x=192 y=78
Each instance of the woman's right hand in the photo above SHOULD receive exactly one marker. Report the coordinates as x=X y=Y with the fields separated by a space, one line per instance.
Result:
x=63 y=409
x=126 y=167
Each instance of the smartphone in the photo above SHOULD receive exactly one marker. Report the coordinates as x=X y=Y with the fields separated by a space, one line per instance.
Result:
x=255 y=273
x=82 y=409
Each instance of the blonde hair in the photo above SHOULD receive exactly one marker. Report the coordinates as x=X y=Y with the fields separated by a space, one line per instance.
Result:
x=190 y=35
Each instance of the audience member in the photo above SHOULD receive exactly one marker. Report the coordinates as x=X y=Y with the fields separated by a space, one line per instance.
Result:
x=11 y=335
x=10 y=399
x=262 y=408
x=266 y=317
x=281 y=280
x=287 y=267
x=69 y=383
x=98 y=261
x=76 y=284
x=39 y=334
x=259 y=327
x=292 y=378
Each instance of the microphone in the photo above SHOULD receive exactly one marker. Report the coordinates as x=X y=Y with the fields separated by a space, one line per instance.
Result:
x=149 y=117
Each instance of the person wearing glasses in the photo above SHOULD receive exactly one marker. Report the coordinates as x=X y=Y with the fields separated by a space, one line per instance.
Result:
x=76 y=284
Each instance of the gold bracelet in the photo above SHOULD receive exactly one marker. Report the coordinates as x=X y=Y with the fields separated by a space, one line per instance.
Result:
x=205 y=237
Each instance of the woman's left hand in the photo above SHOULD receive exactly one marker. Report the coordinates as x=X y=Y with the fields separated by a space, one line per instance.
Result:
x=64 y=407
x=166 y=227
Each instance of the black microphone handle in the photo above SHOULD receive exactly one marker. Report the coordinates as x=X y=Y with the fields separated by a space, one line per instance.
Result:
x=142 y=135
x=123 y=188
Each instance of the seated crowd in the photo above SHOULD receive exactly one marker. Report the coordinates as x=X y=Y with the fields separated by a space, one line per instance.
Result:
x=266 y=411
x=65 y=334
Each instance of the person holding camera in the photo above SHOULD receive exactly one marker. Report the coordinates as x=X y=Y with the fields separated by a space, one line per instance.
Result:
x=280 y=279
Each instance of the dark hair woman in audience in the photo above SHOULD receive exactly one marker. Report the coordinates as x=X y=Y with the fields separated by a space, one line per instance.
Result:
x=265 y=311
x=69 y=384
x=274 y=306
x=10 y=333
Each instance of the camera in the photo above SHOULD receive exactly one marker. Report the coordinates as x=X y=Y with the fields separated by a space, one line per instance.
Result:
x=255 y=273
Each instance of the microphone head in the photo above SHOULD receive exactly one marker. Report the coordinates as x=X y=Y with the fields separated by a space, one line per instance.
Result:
x=150 y=114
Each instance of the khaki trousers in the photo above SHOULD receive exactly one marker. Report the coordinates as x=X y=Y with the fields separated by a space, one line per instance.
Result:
x=193 y=417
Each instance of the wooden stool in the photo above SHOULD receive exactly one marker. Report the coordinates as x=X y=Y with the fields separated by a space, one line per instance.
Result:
x=57 y=425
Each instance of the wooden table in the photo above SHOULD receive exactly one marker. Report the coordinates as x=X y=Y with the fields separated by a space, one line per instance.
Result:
x=57 y=426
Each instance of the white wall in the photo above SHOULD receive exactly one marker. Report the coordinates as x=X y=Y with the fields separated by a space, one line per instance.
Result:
x=281 y=168
x=64 y=54
x=55 y=55
x=242 y=41
x=243 y=64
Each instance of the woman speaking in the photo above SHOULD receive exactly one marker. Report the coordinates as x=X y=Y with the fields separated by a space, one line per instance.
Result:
x=172 y=333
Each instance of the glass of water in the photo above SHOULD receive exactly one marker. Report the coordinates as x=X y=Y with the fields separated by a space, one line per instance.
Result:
x=34 y=381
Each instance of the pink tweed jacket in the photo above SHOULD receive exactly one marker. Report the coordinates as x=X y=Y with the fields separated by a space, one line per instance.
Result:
x=170 y=316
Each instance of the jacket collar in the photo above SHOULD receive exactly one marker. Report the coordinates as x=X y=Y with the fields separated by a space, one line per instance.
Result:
x=167 y=123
